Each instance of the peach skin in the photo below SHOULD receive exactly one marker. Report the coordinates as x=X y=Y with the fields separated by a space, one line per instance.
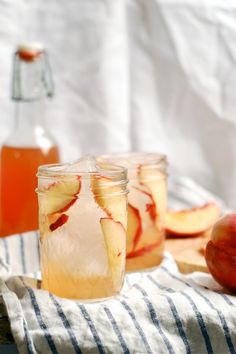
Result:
x=221 y=252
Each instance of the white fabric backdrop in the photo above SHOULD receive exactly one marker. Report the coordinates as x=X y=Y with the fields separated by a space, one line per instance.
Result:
x=136 y=75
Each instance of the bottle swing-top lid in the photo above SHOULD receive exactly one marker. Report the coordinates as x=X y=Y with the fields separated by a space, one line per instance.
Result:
x=32 y=78
x=29 y=51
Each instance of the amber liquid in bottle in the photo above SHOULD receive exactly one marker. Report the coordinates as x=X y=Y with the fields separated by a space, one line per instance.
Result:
x=19 y=200
x=29 y=146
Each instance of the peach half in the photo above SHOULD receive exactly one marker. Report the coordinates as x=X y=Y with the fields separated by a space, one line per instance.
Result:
x=191 y=222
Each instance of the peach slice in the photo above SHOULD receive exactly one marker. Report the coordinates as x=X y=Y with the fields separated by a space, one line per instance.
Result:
x=61 y=195
x=150 y=204
x=150 y=240
x=51 y=222
x=151 y=209
x=156 y=183
x=191 y=222
x=115 y=238
x=134 y=228
x=110 y=198
x=62 y=219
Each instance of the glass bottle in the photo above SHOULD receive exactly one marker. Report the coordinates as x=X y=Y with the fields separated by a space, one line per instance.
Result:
x=29 y=144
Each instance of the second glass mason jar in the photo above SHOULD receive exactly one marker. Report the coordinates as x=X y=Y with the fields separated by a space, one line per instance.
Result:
x=82 y=220
x=147 y=203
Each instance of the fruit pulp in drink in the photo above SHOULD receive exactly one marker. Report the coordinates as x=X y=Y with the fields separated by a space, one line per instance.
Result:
x=19 y=208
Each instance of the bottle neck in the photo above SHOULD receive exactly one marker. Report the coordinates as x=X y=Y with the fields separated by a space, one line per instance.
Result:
x=30 y=128
x=31 y=85
x=32 y=80
x=29 y=116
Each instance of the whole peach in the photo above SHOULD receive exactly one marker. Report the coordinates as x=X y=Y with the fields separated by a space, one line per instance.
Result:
x=221 y=252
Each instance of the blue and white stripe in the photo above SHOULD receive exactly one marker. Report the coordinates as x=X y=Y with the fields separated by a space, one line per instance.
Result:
x=21 y=252
x=158 y=311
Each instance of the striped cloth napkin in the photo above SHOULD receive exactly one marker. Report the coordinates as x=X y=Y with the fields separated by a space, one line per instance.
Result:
x=158 y=311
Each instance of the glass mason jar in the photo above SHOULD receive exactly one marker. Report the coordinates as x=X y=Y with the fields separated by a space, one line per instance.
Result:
x=82 y=221
x=147 y=203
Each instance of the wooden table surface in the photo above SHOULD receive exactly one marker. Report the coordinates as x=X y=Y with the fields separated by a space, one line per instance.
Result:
x=188 y=252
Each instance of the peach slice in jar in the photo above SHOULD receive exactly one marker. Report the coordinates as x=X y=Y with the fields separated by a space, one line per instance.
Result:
x=110 y=197
x=55 y=199
x=134 y=228
x=61 y=220
x=61 y=195
x=152 y=197
x=141 y=215
x=143 y=200
x=155 y=182
x=115 y=240
x=149 y=241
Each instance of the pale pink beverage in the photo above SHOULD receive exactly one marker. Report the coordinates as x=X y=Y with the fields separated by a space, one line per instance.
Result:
x=83 y=220
x=147 y=203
